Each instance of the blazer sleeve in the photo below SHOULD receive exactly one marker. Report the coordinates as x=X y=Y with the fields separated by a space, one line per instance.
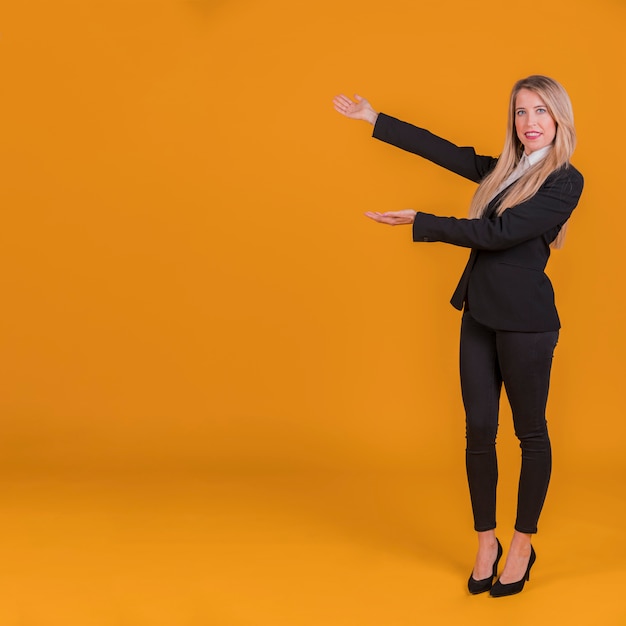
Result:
x=550 y=207
x=462 y=161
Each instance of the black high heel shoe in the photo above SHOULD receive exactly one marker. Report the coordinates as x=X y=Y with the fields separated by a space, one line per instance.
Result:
x=499 y=590
x=480 y=586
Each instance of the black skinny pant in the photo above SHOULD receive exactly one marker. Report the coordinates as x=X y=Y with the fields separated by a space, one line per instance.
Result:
x=521 y=361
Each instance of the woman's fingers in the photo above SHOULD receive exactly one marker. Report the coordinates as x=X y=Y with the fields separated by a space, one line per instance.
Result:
x=380 y=217
x=342 y=101
x=343 y=98
x=344 y=105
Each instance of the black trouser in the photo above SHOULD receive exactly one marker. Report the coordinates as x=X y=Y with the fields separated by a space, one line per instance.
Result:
x=522 y=361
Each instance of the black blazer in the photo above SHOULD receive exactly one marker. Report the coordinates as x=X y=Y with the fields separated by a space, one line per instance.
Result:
x=504 y=282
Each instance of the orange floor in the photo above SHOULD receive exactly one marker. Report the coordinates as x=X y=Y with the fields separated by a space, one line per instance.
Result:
x=298 y=550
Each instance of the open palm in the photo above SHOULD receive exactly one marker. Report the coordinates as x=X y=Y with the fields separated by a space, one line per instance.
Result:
x=393 y=218
x=359 y=110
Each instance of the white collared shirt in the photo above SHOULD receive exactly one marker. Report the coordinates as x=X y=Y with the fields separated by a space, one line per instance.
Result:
x=525 y=163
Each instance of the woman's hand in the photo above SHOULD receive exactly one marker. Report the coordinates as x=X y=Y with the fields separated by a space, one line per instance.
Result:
x=393 y=218
x=359 y=110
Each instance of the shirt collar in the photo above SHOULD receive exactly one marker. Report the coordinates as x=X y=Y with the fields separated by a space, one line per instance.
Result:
x=537 y=155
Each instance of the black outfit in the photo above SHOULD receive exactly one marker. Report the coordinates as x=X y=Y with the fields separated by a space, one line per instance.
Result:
x=510 y=323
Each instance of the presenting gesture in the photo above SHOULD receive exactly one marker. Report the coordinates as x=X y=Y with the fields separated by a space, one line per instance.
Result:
x=362 y=110
x=359 y=110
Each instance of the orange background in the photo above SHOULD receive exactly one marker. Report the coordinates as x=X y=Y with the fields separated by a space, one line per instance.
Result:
x=227 y=397
x=188 y=279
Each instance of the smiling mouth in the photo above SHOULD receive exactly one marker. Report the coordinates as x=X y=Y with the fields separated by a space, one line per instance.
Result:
x=532 y=135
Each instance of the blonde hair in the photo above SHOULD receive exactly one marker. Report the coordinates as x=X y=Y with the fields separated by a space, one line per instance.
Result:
x=560 y=108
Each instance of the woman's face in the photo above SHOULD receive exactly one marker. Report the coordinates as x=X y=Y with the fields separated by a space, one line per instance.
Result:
x=535 y=127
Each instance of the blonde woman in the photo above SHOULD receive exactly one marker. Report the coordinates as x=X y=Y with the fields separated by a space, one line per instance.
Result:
x=510 y=325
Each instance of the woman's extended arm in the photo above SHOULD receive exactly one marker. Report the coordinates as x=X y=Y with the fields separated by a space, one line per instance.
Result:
x=550 y=207
x=461 y=160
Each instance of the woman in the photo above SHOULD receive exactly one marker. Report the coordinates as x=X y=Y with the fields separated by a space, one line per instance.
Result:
x=510 y=324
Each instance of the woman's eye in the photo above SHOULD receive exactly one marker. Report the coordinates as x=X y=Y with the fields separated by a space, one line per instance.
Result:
x=541 y=110
x=520 y=112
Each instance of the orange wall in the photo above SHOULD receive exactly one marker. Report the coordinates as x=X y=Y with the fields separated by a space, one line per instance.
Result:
x=187 y=276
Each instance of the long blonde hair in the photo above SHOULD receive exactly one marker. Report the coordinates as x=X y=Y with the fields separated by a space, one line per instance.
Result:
x=560 y=108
